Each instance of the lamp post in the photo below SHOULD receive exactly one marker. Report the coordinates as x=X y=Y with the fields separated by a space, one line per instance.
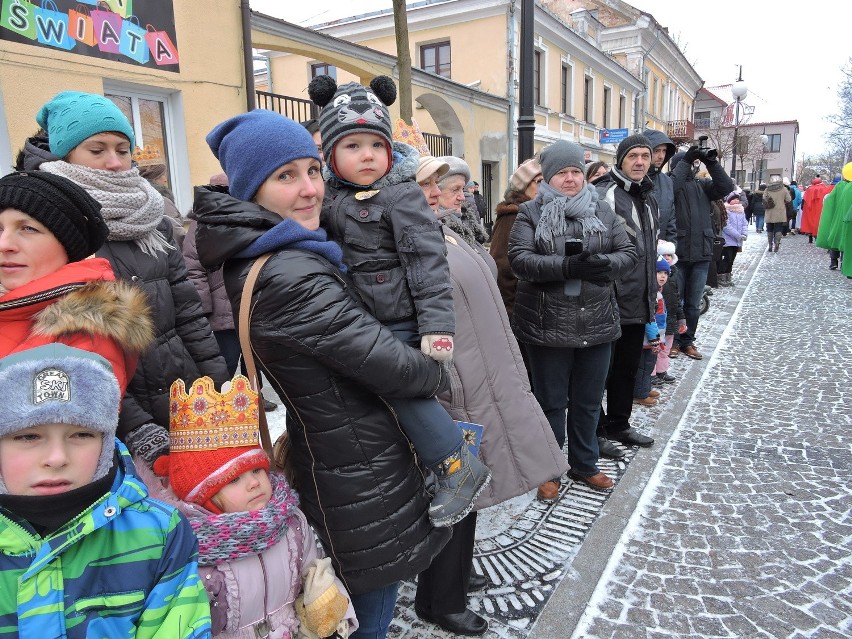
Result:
x=739 y=90
x=764 y=140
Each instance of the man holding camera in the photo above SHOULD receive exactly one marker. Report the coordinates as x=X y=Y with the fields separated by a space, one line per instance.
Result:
x=695 y=233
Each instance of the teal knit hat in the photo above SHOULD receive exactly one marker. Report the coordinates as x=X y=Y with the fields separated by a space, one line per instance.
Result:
x=71 y=117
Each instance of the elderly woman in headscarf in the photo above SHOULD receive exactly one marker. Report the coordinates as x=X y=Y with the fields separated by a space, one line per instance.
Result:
x=567 y=247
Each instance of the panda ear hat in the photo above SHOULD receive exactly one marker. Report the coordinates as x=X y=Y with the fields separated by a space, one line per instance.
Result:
x=384 y=88
x=322 y=89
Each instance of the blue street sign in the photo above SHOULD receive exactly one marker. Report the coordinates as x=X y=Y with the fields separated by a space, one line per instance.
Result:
x=613 y=136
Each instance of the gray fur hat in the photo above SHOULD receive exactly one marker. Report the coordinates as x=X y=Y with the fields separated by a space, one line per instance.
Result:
x=59 y=384
x=561 y=155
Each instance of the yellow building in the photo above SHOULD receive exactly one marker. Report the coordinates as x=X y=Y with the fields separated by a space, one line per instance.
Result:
x=176 y=76
x=579 y=91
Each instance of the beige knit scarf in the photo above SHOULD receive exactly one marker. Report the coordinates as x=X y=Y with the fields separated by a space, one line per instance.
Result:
x=130 y=206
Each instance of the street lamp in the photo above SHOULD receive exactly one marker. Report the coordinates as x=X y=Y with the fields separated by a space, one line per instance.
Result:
x=739 y=90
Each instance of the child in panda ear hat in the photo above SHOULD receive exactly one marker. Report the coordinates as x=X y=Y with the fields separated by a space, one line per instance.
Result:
x=394 y=251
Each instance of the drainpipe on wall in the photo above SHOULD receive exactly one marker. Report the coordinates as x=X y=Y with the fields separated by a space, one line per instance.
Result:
x=248 y=55
x=510 y=85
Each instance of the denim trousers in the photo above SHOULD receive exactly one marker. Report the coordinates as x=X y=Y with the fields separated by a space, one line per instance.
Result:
x=433 y=433
x=374 y=611
x=572 y=379
x=758 y=221
x=691 y=279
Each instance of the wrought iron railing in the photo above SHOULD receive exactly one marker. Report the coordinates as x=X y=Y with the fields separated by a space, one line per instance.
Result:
x=297 y=109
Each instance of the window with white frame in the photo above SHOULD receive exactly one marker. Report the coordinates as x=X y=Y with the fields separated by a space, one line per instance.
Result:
x=158 y=130
x=566 y=81
x=588 y=97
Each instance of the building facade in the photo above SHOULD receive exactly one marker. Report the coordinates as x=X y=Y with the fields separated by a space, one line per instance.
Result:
x=580 y=88
x=175 y=77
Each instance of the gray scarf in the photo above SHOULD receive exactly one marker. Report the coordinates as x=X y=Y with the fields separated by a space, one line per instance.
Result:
x=557 y=208
x=130 y=206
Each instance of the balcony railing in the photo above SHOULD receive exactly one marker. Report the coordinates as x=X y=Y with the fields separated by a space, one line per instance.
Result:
x=439 y=144
x=297 y=109
x=681 y=130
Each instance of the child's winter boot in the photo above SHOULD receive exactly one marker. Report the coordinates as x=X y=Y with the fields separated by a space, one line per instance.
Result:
x=461 y=477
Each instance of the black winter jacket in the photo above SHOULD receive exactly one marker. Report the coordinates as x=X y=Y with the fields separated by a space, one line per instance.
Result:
x=359 y=484
x=393 y=248
x=543 y=315
x=693 y=209
x=184 y=347
x=634 y=204
x=663 y=188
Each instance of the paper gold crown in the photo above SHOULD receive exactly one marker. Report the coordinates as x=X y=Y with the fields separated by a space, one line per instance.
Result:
x=148 y=155
x=410 y=134
x=204 y=419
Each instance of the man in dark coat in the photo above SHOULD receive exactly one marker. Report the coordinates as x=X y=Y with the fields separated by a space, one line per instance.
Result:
x=629 y=191
x=695 y=234
x=662 y=151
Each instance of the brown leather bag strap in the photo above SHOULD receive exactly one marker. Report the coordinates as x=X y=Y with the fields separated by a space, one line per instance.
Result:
x=245 y=347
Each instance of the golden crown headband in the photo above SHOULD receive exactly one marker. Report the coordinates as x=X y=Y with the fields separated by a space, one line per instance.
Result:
x=204 y=419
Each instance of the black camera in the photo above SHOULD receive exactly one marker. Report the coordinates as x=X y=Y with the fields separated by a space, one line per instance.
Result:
x=705 y=152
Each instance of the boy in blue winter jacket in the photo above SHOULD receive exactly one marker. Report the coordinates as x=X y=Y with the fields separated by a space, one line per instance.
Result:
x=84 y=552
x=394 y=251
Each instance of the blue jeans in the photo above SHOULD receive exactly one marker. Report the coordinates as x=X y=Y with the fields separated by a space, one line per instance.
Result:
x=572 y=379
x=374 y=611
x=691 y=279
x=433 y=433
x=229 y=346
x=758 y=221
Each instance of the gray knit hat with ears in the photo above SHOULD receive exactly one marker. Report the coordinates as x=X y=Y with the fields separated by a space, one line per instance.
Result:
x=59 y=384
x=352 y=108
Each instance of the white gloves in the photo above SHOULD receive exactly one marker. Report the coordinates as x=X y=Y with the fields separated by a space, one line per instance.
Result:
x=438 y=347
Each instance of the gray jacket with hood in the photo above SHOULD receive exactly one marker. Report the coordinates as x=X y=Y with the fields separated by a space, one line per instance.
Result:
x=663 y=188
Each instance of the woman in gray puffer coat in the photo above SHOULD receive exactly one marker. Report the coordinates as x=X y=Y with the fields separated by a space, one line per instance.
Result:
x=567 y=248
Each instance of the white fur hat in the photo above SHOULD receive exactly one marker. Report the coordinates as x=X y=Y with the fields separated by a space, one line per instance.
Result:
x=667 y=248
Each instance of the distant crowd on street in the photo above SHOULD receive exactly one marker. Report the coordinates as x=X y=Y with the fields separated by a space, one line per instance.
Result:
x=427 y=370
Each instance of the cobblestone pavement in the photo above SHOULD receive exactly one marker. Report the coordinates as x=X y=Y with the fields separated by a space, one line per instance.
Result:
x=736 y=523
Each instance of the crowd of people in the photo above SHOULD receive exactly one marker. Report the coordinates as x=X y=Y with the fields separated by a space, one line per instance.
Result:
x=427 y=371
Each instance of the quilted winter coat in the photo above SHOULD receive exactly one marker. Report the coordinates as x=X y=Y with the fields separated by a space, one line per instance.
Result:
x=125 y=567
x=544 y=315
x=329 y=361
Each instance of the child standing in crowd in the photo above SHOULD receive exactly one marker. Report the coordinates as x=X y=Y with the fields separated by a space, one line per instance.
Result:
x=735 y=233
x=675 y=316
x=395 y=253
x=86 y=550
x=655 y=332
x=257 y=554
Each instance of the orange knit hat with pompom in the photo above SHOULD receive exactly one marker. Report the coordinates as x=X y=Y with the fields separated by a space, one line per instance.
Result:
x=213 y=439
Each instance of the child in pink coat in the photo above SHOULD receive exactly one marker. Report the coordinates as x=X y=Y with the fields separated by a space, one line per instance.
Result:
x=258 y=557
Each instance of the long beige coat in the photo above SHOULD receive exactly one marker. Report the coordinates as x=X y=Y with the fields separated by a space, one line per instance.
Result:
x=489 y=383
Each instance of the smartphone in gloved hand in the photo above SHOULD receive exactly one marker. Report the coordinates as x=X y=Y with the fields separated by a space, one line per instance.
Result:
x=573 y=247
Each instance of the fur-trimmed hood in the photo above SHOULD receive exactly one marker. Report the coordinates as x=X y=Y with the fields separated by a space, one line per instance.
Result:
x=113 y=309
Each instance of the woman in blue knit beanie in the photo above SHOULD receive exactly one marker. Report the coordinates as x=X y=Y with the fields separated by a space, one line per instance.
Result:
x=91 y=142
x=326 y=357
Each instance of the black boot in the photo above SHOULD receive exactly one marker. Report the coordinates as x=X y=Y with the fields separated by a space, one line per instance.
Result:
x=835 y=257
x=461 y=477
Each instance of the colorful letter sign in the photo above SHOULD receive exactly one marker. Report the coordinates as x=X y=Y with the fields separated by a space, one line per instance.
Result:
x=134 y=31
